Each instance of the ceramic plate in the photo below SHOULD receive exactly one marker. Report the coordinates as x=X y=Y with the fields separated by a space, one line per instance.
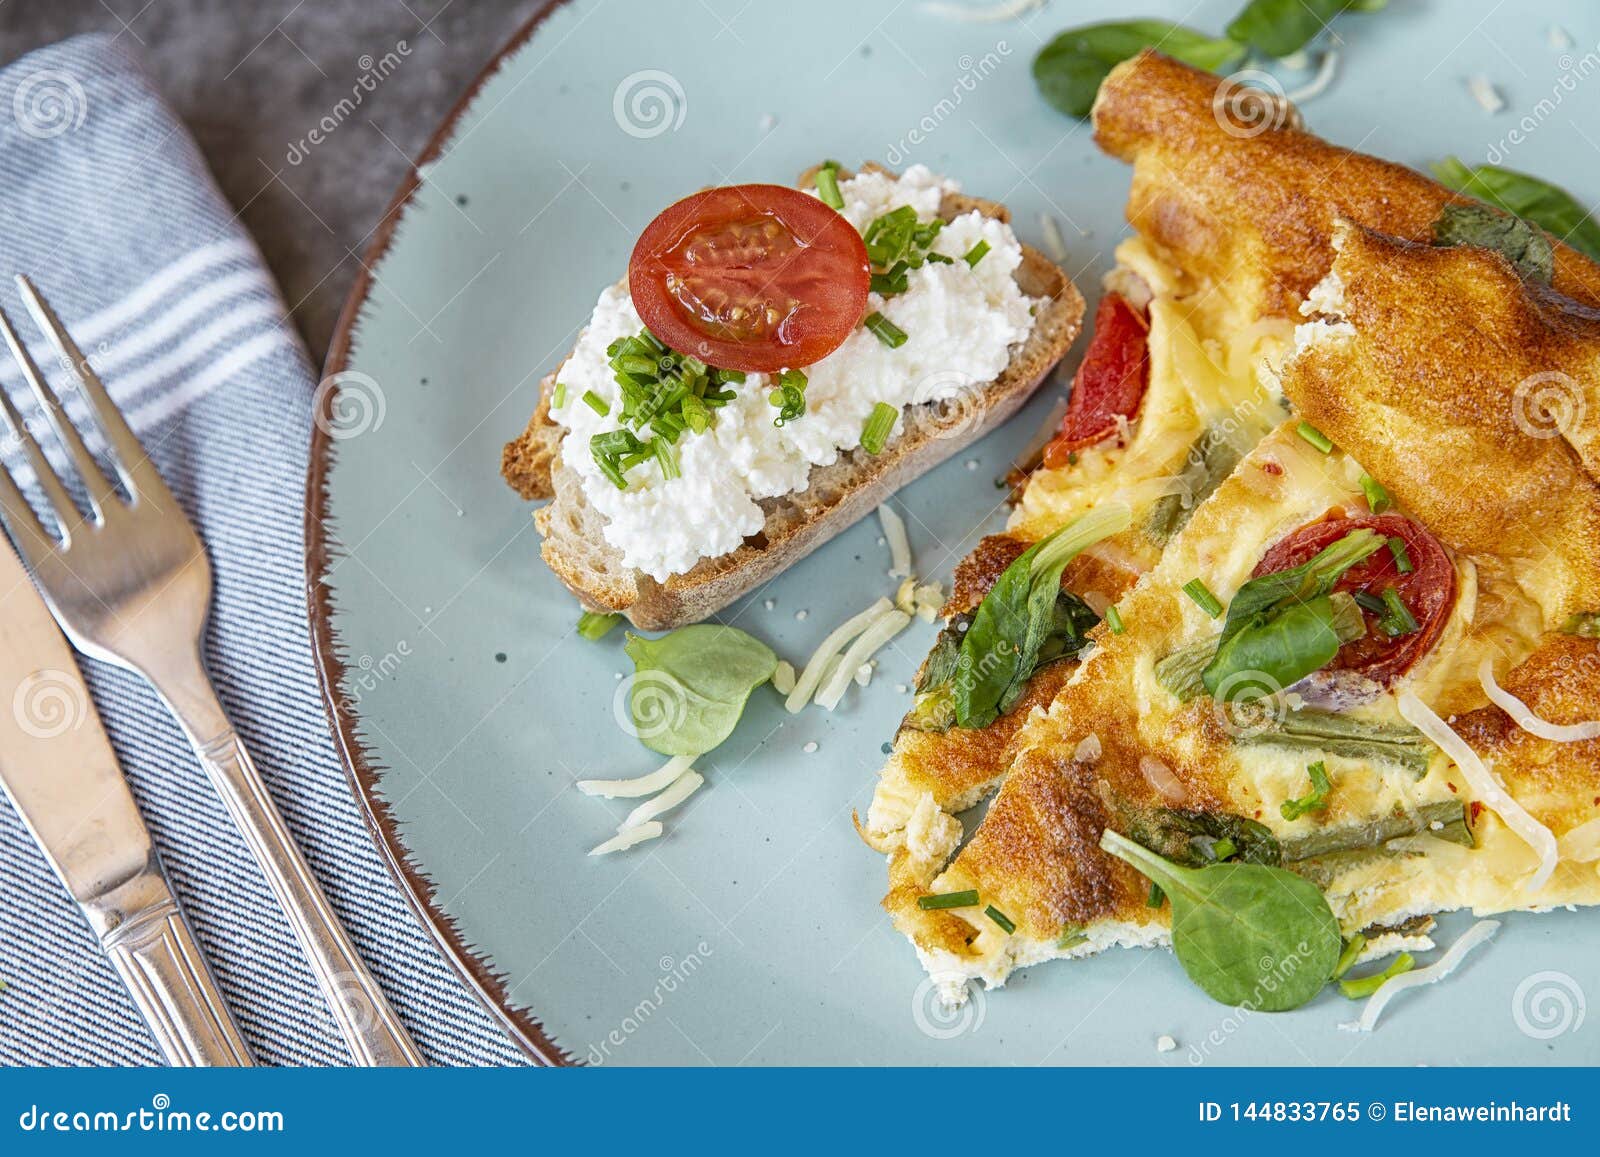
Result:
x=464 y=702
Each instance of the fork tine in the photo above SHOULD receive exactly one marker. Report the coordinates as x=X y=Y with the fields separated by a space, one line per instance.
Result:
x=128 y=453
x=62 y=506
x=27 y=532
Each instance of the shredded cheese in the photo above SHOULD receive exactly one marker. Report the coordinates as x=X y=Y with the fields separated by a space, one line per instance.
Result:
x=1485 y=93
x=894 y=529
x=640 y=785
x=889 y=624
x=625 y=839
x=1582 y=843
x=783 y=677
x=682 y=788
x=1485 y=785
x=1525 y=718
x=836 y=641
x=1006 y=10
x=1054 y=243
x=1317 y=85
x=1432 y=974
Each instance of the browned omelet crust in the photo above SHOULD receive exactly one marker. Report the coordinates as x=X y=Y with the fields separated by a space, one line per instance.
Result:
x=1255 y=209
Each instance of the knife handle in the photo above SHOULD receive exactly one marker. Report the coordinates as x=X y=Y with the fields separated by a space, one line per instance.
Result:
x=156 y=955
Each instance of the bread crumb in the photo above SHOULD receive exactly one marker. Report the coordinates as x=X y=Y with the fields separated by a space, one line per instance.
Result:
x=800 y=616
x=972 y=463
x=810 y=747
x=770 y=604
x=1165 y=1044
x=900 y=687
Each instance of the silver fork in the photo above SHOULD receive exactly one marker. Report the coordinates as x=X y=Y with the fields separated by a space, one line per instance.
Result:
x=131 y=584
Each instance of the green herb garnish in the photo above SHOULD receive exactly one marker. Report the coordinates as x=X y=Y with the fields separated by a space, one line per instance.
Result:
x=1070 y=68
x=1247 y=934
x=1518 y=241
x=558 y=396
x=1378 y=499
x=1114 y=620
x=976 y=254
x=1315 y=436
x=1353 y=949
x=896 y=244
x=593 y=625
x=875 y=433
x=1156 y=898
x=828 y=185
x=967 y=899
x=1282 y=28
x=1397 y=619
x=1000 y=919
x=1547 y=206
x=690 y=686
x=596 y=403
x=789 y=395
x=1316 y=800
x=1397 y=550
x=1364 y=986
x=885 y=330
x=1197 y=590
x=1021 y=613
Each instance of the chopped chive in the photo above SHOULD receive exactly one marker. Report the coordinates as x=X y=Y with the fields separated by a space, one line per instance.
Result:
x=593 y=625
x=875 y=433
x=939 y=259
x=558 y=396
x=1402 y=560
x=1378 y=499
x=1315 y=800
x=1000 y=918
x=1364 y=986
x=1224 y=849
x=1204 y=599
x=1353 y=948
x=1114 y=620
x=695 y=414
x=828 y=185
x=595 y=403
x=668 y=459
x=976 y=254
x=1315 y=436
x=735 y=376
x=1368 y=601
x=1156 y=898
x=1399 y=620
x=967 y=899
x=885 y=330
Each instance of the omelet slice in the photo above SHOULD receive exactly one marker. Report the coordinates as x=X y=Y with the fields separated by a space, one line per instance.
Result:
x=1451 y=404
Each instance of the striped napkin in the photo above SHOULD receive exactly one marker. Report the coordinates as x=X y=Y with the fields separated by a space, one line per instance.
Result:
x=107 y=205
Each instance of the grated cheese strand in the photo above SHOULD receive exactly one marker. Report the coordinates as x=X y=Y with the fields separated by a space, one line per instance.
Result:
x=836 y=641
x=1432 y=974
x=1524 y=718
x=783 y=677
x=894 y=529
x=627 y=838
x=1318 y=84
x=682 y=788
x=1485 y=785
x=884 y=628
x=1005 y=10
x=641 y=785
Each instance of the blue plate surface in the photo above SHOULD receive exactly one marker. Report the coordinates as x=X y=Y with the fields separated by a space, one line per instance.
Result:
x=752 y=933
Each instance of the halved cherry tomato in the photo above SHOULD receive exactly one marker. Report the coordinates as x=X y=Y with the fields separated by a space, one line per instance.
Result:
x=1110 y=382
x=1429 y=591
x=751 y=277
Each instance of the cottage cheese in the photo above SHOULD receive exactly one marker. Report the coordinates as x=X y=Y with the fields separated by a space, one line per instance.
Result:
x=962 y=326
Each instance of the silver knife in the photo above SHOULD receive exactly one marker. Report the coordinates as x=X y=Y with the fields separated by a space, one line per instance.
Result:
x=59 y=770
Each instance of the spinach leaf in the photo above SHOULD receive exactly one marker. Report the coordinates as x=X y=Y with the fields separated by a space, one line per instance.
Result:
x=1281 y=647
x=1551 y=208
x=1315 y=800
x=689 y=687
x=1002 y=645
x=1070 y=68
x=1283 y=27
x=1316 y=576
x=1519 y=241
x=1249 y=935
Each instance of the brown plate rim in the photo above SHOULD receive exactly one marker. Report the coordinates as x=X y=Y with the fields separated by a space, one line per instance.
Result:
x=482 y=979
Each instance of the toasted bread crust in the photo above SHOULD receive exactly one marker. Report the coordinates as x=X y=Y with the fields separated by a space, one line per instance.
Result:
x=836 y=495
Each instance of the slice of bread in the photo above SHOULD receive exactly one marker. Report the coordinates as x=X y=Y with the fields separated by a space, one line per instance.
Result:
x=797 y=523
